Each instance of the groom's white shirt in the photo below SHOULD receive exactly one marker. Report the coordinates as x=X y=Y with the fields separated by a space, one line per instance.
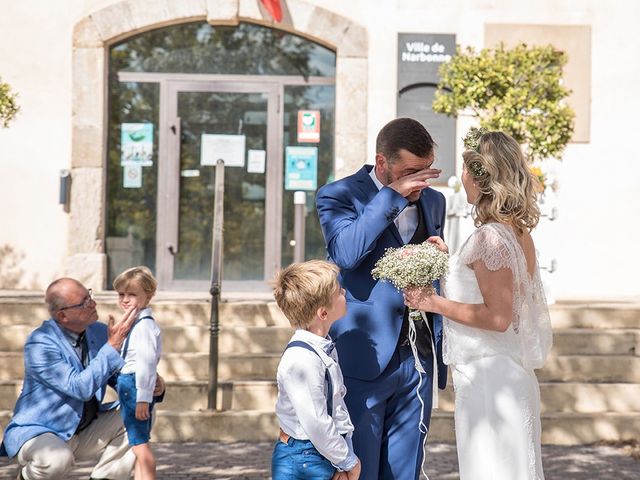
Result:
x=407 y=220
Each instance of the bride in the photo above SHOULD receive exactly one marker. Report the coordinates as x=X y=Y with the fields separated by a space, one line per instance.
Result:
x=497 y=328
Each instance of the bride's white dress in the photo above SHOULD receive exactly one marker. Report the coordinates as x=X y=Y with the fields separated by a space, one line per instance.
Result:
x=497 y=397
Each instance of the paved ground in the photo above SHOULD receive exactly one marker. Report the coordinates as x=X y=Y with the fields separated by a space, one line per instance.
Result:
x=250 y=461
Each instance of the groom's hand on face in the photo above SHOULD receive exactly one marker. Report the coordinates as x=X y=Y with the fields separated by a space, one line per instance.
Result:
x=414 y=182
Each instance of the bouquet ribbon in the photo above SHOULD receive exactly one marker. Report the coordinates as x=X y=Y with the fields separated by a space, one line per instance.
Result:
x=418 y=365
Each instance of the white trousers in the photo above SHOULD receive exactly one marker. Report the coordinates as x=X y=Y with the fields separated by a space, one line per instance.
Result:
x=497 y=420
x=47 y=456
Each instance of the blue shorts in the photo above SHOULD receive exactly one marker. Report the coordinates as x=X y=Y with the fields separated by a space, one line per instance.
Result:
x=138 y=431
x=299 y=459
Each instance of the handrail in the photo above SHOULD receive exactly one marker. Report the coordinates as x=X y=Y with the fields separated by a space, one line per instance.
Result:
x=216 y=284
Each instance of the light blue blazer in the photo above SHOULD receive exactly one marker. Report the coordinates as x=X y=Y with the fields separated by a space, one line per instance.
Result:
x=357 y=223
x=56 y=385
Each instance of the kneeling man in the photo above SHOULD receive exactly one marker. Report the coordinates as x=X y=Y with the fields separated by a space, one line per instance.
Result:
x=59 y=417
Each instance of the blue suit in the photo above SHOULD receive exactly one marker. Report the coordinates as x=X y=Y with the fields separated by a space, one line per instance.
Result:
x=56 y=385
x=357 y=221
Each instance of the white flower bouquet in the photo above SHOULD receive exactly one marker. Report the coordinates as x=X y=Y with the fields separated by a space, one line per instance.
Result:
x=416 y=265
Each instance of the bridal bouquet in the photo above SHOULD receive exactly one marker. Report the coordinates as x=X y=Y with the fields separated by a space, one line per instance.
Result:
x=416 y=265
x=412 y=266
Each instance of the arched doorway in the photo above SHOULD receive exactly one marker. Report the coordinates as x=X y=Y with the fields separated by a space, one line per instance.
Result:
x=93 y=37
x=179 y=95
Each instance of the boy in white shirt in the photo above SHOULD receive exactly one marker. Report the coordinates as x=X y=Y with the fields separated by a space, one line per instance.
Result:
x=315 y=428
x=141 y=353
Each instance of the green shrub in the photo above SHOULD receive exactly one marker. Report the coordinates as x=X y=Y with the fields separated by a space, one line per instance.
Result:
x=518 y=91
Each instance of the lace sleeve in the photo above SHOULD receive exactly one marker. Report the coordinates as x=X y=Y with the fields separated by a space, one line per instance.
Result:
x=488 y=245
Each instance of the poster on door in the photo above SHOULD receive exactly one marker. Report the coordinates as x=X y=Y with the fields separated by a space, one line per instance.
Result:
x=308 y=126
x=301 y=172
x=230 y=148
x=136 y=144
x=132 y=176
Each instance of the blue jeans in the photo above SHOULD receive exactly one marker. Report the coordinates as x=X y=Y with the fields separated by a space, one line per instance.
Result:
x=299 y=460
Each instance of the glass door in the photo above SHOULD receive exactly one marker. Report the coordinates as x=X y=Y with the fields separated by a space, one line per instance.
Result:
x=235 y=122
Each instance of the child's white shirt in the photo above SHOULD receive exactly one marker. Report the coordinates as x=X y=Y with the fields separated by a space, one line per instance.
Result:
x=143 y=355
x=302 y=399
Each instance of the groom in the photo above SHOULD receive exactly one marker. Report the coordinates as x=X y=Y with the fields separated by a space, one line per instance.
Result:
x=387 y=205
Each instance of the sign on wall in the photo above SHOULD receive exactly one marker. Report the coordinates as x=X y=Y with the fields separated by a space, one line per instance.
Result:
x=420 y=56
x=301 y=168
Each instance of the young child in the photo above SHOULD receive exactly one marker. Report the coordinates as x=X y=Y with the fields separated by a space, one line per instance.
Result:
x=315 y=428
x=141 y=353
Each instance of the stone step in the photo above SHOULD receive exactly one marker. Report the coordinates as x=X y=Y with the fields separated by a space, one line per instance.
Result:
x=168 y=312
x=560 y=429
x=555 y=397
x=591 y=368
x=195 y=339
x=584 y=341
x=596 y=315
x=172 y=308
x=179 y=366
x=230 y=426
x=261 y=395
x=187 y=339
x=262 y=366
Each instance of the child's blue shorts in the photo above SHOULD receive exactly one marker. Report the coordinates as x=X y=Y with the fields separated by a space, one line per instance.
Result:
x=138 y=431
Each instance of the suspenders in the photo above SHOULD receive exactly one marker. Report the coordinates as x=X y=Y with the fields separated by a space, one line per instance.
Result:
x=125 y=347
x=327 y=377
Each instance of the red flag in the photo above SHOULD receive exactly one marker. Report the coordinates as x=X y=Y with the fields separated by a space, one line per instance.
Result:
x=274 y=9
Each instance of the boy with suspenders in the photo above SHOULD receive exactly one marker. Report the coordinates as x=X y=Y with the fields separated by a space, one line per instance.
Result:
x=315 y=428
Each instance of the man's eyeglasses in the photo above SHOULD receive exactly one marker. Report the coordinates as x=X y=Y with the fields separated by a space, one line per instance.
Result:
x=84 y=304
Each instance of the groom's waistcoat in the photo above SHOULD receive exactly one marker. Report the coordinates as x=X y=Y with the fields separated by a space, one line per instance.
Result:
x=423 y=338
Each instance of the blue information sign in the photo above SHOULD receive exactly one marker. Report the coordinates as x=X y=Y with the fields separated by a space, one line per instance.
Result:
x=301 y=168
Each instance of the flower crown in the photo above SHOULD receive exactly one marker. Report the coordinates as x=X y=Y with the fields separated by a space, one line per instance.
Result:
x=472 y=142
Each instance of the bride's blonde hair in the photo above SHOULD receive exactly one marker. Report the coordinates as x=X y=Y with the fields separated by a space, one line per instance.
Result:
x=507 y=186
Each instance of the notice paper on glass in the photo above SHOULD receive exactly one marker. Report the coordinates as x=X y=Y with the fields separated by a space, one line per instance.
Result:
x=229 y=148
x=136 y=144
x=256 y=161
x=132 y=176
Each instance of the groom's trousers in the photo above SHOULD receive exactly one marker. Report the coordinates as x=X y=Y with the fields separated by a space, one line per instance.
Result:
x=385 y=413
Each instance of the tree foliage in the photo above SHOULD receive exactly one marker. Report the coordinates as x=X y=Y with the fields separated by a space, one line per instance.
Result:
x=518 y=91
x=8 y=105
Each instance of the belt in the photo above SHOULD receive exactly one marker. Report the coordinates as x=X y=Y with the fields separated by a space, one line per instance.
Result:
x=283 y=437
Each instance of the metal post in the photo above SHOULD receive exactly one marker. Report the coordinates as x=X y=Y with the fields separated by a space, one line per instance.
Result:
x=216 y=283
x=299 y=202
